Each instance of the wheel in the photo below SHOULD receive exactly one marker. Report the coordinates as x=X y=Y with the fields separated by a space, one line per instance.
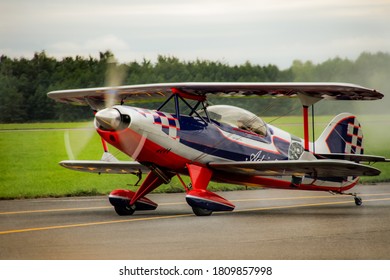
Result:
x=201 y=211
x=124 y=210
x=358 y=200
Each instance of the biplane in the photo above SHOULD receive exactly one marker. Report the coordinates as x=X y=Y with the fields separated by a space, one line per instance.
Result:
x=222 y=143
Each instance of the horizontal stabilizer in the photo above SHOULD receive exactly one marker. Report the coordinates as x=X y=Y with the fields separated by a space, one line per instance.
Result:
x=312 y=168
x=98 y=166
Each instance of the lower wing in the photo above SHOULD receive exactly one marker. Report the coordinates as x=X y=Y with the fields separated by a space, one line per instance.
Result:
x=354 y=157
x=99 y=166
x=312 y=168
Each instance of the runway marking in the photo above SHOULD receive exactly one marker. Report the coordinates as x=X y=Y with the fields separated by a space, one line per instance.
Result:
x=305 y=205
x=178 y=216
x=305 y=197
x=54 y=210
x=94 y=223
x=183 y=203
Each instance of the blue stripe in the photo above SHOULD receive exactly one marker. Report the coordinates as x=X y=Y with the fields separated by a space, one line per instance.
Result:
x=207 y=138
x=207 y=204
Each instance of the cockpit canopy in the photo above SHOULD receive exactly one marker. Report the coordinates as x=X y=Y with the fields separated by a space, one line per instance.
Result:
x=238 y=117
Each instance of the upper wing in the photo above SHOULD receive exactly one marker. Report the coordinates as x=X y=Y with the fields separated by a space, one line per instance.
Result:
x=152 y=92
x=98 y=166
x=313 y=168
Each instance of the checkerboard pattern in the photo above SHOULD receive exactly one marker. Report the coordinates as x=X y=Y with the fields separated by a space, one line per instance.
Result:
x=169 y=124
x=354 y=141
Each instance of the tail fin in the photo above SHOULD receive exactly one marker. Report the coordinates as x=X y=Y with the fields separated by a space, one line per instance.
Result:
x=343 y=135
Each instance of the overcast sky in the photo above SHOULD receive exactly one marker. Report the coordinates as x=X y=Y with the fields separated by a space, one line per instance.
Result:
x=262 y=32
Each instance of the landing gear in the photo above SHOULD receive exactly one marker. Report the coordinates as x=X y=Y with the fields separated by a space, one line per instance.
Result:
x=358 y=200
x=296 y=181
x=202 y=201
x=120 y=199
x=126 y=202
x=123 y=210
x=201 y=211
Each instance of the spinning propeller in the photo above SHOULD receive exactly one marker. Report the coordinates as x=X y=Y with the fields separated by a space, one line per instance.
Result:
x=108 y=117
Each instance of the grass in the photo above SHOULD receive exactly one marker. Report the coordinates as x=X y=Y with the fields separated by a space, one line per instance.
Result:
x=49 y=125
x=30 y=153
x=30 y=156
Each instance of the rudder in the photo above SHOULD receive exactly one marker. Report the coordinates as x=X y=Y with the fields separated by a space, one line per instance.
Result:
x=342 y=135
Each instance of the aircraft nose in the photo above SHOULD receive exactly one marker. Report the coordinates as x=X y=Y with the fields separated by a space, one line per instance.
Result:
x=108 y=119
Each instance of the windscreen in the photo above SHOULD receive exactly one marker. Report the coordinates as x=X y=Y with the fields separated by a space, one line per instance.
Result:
x=238 y=117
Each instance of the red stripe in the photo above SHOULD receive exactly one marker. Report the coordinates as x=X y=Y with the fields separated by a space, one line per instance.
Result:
x=306 y=126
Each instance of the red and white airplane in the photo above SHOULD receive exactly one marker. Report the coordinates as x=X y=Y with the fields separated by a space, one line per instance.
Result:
x=221 y=143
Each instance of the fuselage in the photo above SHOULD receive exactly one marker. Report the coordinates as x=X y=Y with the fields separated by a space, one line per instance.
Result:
x=171 y=142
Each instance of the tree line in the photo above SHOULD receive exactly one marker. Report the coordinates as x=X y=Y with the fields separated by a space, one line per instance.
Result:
x=24 y=82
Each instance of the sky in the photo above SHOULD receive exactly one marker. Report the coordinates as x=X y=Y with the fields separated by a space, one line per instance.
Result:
x=261 y=32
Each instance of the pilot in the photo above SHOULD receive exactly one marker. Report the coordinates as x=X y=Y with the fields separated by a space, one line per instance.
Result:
x=252 y=125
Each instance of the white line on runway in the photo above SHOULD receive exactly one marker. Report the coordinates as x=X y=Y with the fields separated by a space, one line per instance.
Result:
x=177 y=216
x=180 y=203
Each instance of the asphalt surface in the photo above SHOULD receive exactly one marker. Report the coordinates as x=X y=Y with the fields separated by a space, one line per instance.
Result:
x=266 y=224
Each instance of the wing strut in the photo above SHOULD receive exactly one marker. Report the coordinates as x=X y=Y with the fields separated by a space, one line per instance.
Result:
x=305 y=111
x=105 y=147
x=312 y=128
x=307 y=101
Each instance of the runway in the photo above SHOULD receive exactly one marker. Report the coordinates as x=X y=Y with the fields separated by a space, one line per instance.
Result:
x=266 y=224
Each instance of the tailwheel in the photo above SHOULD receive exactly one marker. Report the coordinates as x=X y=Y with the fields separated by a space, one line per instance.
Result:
x=124 y=210
x=358 y=200
x=201 y=211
